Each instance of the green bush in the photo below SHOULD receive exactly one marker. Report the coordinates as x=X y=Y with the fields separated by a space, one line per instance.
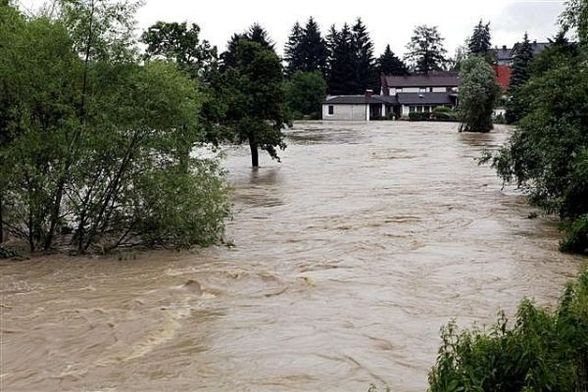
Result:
x=541 y=351
x=576 y=240
x=415 y=116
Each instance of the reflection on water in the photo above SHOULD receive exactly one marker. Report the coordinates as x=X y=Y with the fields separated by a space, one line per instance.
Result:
x=349 y=257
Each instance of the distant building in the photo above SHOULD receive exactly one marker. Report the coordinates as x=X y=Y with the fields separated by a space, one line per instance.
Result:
x=504 y=59
x=399 y=96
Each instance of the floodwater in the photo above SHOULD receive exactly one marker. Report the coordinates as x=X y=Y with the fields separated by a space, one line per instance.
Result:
x=349 y=256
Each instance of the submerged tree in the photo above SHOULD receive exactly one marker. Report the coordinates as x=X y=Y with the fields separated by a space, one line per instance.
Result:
x=100 y=140
x=256 y=107
x=425 y=50
x=478 y=93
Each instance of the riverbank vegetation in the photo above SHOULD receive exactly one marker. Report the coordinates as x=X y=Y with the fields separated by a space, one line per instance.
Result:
x=547 y=155
x=96 y=146
x=540 y=350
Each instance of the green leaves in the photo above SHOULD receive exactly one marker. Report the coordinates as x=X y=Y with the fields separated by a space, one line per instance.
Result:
x=540 y=351
x=478 y=93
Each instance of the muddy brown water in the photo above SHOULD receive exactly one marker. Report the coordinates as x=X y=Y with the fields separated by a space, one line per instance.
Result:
x=349 y=256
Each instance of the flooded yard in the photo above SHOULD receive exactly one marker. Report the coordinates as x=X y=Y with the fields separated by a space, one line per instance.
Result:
x=349 y=256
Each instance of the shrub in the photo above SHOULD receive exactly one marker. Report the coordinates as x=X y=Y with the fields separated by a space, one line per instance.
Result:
x=576 y=240
x=415 y=116
x=541 y=351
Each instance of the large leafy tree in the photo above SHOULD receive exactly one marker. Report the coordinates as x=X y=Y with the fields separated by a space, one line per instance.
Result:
x=479 y=43
x=342 y=72
x=256 y=108
x=305 y=92
x=521 y=72
x=181 y=44
x=389 y=64
x=425 y=50
x=478 y=93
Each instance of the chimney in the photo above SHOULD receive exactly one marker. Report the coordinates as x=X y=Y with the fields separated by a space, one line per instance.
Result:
x=369 y=93
x=503 y=47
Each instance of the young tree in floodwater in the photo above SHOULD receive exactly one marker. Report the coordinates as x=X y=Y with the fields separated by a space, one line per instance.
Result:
x=256 y=108
x=477 y=94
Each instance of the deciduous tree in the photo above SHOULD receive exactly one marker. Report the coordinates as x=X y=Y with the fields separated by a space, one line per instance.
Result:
x=425 y=50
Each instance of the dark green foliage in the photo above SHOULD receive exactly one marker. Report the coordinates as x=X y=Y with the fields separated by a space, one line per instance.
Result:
x=478 y=93
x=306 y=50
x=366 y=76
x=540 y=351
x=390 y=64
x=576 y=240
x=415 y=116
x=256 y=109
x=305 y=92
x=341 y=62
x=294 y=55
x=521 y=72
x=480 y=42
x=256 y=33
x=176 y=42
x=425 y=50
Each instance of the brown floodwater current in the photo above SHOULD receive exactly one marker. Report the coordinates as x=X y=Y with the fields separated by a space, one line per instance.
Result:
x=349 y=256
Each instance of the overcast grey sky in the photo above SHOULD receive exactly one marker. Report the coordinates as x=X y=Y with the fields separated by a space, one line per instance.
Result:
x=389 y=22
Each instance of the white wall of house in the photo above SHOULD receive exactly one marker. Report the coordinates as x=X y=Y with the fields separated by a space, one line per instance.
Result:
x=439 y=89
x=346 y=112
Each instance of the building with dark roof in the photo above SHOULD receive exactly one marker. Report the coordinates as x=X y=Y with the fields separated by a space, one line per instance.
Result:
x=505 y=56
x=400 y=96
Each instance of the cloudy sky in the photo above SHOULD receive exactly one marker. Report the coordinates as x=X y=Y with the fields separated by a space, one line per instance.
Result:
x=389 y=22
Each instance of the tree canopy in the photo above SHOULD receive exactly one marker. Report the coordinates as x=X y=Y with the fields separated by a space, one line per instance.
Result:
x=480 y=42
x=389 y=64
x=425 y=50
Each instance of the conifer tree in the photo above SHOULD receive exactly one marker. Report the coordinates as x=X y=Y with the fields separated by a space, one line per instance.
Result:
x=314 y=48
x=341 y=61
x=521 y=72
x=480 y=41
x=364 y=63
x=390 y=64
x=293 y=52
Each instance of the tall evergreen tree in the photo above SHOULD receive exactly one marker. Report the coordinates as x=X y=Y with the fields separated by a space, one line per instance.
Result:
x=293 y=52
x=521 y=72
x=341 y=61
x=425 y=50
x=314 y=48
x=363 y=50
x=480 y=41
x=523 y=55
x=390 y=64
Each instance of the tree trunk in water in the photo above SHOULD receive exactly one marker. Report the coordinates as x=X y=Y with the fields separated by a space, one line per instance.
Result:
x=254 y=154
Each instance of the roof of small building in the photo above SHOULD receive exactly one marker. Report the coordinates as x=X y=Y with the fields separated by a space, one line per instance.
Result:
x=352 y=100
x=425 y=98
x=507 y=54
x=436 y=79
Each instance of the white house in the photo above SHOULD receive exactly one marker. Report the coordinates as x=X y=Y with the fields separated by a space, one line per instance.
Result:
x=400 y=96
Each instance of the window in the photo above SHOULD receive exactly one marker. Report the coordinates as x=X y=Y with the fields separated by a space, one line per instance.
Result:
x=423 y=90
x=412 y=109
x=331 y=110
x=419 y=109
